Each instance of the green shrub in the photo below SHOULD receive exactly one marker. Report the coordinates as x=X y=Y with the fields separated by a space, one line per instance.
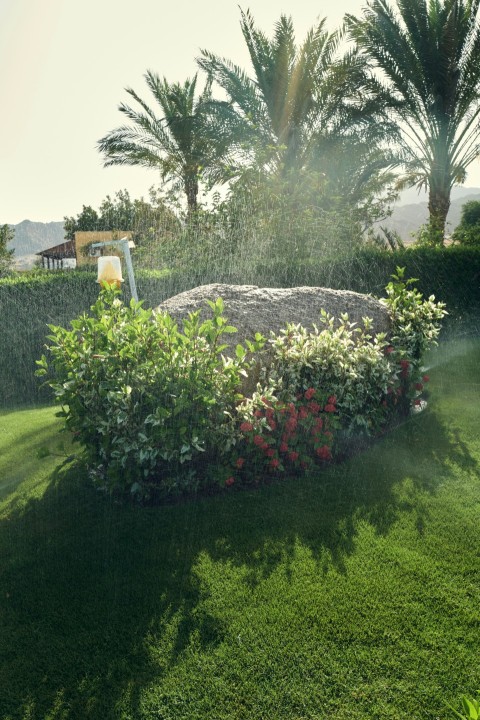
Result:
x=274 y=435
x=145 y=399
x=344 y=361
x=468 y=230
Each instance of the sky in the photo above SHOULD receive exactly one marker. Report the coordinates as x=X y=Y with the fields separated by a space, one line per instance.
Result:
x=64 y=67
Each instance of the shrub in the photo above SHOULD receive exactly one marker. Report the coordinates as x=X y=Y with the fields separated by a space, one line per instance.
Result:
x=276 y=435
x=145 y=399
x=344 y=361
x=468 y=231
x=148 y=401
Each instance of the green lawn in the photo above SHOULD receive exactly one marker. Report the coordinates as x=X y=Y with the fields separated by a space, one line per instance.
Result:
x=354 y=593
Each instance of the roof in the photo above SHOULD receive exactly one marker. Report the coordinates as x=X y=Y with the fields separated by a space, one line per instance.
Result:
x=59 y=252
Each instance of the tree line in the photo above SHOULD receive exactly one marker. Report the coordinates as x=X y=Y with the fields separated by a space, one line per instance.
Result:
x=399 y=108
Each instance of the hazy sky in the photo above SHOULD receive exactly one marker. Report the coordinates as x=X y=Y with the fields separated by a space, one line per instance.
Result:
x=65 y=64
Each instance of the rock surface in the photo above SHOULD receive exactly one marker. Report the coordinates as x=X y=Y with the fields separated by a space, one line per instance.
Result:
x=253 y=309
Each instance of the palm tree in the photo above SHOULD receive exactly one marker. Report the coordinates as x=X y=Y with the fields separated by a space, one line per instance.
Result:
x=429 y=56
x=186 y=143
x=292 y=90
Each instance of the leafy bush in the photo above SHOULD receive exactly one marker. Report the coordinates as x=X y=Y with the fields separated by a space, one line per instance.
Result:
x=148 y=401
x=276 y=435
x=468 y=230
x=344 y=361
x=144 y=399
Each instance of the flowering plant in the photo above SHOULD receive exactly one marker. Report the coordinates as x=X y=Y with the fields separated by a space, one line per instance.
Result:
x=340 y=359
x=278 y=434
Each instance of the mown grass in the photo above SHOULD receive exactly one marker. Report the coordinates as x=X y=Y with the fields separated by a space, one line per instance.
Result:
x=351 y=593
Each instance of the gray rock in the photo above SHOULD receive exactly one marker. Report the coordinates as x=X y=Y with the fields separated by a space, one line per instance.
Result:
x=252 y=309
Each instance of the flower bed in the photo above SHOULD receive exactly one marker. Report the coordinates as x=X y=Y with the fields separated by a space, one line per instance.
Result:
x=159 y=410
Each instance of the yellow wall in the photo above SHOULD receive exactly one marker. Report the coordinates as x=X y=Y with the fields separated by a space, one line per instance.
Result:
x=86 y=238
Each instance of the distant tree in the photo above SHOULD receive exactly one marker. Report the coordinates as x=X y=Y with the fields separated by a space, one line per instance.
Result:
x=7 y=234
x=185 y=143
x=429 y=54
x=150 y=222
x=87 y=220
x=468 y=230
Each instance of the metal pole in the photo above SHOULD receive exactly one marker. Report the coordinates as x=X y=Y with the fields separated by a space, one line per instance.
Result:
x=128 y=262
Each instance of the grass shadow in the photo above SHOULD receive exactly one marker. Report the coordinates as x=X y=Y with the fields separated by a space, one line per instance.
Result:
x=87 y=581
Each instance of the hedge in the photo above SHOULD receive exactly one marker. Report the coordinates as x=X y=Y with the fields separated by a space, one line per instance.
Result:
x=28 y=302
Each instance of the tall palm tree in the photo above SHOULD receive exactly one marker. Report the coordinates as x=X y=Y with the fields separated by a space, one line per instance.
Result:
x=429 y=56
x=293 y=90
x=185 y=143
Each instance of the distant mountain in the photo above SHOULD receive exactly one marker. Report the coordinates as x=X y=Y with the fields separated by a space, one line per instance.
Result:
x=411 y=211
x=31 y=237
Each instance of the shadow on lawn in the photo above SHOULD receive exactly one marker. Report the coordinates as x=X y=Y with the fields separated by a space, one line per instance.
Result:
x=86 y=581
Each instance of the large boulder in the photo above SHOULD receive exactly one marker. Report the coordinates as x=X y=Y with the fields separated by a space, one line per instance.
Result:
x=253 y=309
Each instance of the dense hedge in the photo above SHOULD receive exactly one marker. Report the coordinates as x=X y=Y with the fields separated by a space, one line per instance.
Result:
x=29 y=302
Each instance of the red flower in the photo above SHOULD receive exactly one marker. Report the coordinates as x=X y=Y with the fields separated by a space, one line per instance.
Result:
x=269 y=452
x=404 y=364
x=309 y=393
x=418 y=386
x=240 y=462
x=332 y=400
x=291 y=424
x=229 y=481
x=293 y=456
x=258 y=413
x=329 y=408
x=314 y=407
x=258 y=440
x=283 y=447
x=246 y=427
x=388 y=349
x=302 y=413
x=323 y=452
x=426 y=378
x=272 y=424
x=274 y=463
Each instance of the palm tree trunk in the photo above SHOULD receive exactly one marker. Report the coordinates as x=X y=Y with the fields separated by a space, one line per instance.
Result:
x=438 y=207
x=191 y=191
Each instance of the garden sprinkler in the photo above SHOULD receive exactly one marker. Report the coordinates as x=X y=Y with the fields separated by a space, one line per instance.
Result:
x=110 y=269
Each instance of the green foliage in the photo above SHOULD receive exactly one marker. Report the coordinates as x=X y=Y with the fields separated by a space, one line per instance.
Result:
x=339 y=359
x=151 y=222
x=274 y=435
x=468 y=230
x=429 y=236
x=185 y=143
x=470 y=709
x=7 y=233
x=29 y=301
x=429 y=55
x=145 y=399
x=415 y=322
